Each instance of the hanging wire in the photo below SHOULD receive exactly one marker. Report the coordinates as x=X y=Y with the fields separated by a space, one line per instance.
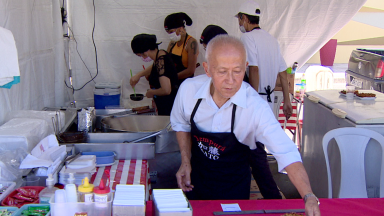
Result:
x=94 y=45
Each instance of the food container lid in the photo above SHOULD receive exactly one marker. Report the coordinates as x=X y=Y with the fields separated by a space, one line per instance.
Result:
x=112 y=85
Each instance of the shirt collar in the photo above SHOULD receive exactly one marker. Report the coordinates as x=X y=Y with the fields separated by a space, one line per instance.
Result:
x=240 y=98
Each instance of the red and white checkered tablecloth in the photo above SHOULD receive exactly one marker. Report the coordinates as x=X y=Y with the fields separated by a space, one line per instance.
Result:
x=125 y=172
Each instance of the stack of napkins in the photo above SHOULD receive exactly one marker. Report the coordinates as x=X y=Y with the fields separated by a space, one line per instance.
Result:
x=170 y=200
x=129 y=195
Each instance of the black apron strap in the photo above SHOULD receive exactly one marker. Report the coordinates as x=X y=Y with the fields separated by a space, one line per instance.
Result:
x=195 y=109
x=233 y=117
x=268 y=92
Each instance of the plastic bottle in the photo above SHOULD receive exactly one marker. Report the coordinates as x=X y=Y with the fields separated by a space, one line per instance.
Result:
x=46 y=194
x=303 y=82
x=70 y=189
x=102 y=193
x=294 y=67
x=85 y=191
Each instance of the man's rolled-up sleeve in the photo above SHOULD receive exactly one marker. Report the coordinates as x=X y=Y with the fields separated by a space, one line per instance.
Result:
x=179 y=121
x=270 y=133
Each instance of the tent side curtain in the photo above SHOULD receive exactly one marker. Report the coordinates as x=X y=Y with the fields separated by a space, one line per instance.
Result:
x=39 y=41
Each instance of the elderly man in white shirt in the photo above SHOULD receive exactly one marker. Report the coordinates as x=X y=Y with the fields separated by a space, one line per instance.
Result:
x=218 y=119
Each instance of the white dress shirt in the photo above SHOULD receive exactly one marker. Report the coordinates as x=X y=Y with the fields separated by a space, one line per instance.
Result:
x=254 y=120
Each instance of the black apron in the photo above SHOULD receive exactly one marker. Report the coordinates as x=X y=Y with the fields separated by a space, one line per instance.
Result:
x=178 y=60
x=220 y=164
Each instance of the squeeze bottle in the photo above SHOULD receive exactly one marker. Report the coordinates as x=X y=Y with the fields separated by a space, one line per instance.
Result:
x=46 y=194
x=85 y=191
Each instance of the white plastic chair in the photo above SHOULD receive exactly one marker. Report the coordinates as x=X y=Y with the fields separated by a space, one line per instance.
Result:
x=352 y=143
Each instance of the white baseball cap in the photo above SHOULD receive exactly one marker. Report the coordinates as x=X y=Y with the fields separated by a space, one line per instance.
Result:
x=249 y=7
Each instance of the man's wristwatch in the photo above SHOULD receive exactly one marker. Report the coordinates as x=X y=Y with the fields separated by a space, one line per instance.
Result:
x=311 y=195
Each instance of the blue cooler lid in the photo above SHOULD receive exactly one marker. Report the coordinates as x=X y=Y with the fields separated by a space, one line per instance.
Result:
x=110 y=85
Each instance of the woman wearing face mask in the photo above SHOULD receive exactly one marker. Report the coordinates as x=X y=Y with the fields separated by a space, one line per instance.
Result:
x=183 y=47
x=162 y=76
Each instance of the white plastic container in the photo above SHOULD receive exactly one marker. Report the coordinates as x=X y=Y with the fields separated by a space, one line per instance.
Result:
x=70 y=208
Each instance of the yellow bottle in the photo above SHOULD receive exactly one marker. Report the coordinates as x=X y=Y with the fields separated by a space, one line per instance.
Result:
x=85 y=191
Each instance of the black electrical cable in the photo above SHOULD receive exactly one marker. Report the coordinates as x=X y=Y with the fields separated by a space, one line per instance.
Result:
x=79 y=52
x=94 y=45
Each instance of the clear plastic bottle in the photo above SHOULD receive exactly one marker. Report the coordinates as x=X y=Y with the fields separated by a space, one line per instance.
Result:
x=85 y=191
x=46 y=194
x=70 y=189
x=303 y=82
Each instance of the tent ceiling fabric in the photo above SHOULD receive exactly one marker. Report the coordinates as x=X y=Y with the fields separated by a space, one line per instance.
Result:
x=301 y=27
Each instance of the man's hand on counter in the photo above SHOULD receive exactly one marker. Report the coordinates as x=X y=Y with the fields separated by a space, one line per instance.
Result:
x=184 y=177
x=312 y=207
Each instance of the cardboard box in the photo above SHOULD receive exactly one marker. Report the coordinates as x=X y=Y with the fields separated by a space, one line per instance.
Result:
x=157 y=213
x=119 y=210
x=291 y=83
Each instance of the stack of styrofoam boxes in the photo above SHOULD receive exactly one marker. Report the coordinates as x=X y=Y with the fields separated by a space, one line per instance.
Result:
x=129 y=200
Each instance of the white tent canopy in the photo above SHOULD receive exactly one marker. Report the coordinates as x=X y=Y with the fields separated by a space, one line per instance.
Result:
x=301 y=27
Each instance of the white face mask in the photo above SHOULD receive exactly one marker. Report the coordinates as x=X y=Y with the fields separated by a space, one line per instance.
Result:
x=174 y=37
x=148 y=59
x=242 y=29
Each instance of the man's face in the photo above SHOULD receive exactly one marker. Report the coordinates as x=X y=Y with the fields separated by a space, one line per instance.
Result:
x=227 y=68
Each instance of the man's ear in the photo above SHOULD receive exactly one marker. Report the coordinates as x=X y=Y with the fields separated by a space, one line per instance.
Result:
x=246 y=65
x=205 y=65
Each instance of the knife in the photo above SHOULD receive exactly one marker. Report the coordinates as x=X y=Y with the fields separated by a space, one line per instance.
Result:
x=277 y=211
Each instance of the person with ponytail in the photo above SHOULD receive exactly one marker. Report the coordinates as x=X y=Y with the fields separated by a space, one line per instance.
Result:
x=162 y=74
x=183 y=47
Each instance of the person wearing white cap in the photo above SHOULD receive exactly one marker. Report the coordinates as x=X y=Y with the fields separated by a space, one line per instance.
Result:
x=263 y=55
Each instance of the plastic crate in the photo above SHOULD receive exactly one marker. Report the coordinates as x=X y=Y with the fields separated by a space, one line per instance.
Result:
x=11 y=187
x=14 y=209
x=25 y=207
x=70 y=208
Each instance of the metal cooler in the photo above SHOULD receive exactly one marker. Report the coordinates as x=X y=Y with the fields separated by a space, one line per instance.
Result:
x=366 y=69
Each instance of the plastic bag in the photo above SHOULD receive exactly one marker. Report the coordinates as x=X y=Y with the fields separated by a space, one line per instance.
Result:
x=10 y=162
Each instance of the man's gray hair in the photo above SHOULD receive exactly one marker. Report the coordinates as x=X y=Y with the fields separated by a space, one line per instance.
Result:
x=223 y=40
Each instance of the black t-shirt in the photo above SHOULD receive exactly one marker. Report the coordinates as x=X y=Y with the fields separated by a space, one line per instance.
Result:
x=164 y=66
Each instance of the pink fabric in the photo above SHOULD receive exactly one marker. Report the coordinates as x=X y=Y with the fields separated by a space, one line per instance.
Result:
x=328 y=52
x=328 y=207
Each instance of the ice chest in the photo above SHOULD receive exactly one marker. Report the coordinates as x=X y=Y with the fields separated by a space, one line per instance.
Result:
x=107 y=94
